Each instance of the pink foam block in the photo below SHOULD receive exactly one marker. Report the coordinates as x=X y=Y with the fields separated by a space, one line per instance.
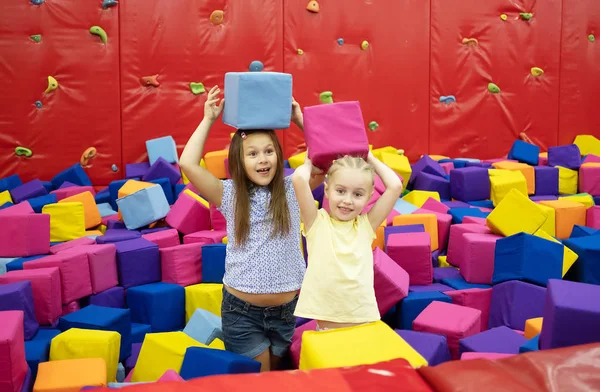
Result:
x=102 y=260
x=71 y=244
x=374 y=197
x=456 y=244
x=110 y=217
x=412 y=252
x=188 y=215
x=29 y=235
x=444 y=221
x=205 y=237
x=13 y=368
x=390 y=217
x=182 y=264
x=473 y=355
x=589 y=180
x=70 y=308
x=297 y=340
x=217 y=220
x=45 y=286
x=163 y=238
x=170 y=375
x=480 y=299
x=591 y=158
x=477 y=262
x=433 y=205
x=474 y=219
x=22 y=208
x=63 y=193
x=453 y=321
x=334 y=130
x=447 y=166
x=593 y=217
x=74 y=273
x=543 y=161
x=391 y=281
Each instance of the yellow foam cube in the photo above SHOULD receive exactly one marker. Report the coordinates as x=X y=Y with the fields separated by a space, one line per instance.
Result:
x=76 y=343
x=550 y=225
x=587 y=144
x=225 y=240
x=399 y=164
x=443 y=262
x=5 y=198
x=161 y=352
x=438 y=157
x=217 y=344
x=569 y=257
x=429 y=221
x=207 y=296
x=197 y=197
x=387 y=149
x=360 y=345
x=515 y=214
x=297 y=160
x=67 y=221
x=418 y=198
x=102 y=229
x=533 y=326
x=567 y=181
x=528 y=172
x=584 y=198
x=184 y=178
x=502 y=181
x=70 y=375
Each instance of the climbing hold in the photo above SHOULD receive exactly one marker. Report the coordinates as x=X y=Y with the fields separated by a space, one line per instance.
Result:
x=340 y=41
x=400 y=152
x=326 y=97
x=493 y=88
x=313 y=6
x=109 y=3
x=536 y=71
x=99 y=31
x=36 y=37
x=37 y=2
x=503 y=17
x=373 y=125
x=23 y=152
x=526 y=15
x=114 y=168
x=87 y=156
x=470 y=41
x=447 y=99
x=300 y=52
x=364 y=45
x=52 y=85
x=197 y=88
x=591 y=37
x=216 y=17
x=256 y=66
x=150 y=81
x=38 y=104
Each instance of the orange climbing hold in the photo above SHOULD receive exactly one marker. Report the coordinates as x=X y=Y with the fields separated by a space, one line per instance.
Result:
x=87 y=156
x=313 y=6
x=150 y=81
x=470 y=41
x=216 y=17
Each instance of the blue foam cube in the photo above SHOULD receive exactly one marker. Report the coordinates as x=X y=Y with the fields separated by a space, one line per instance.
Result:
x=482 y=203
x=203 y=361
x=412 y=305
x=527 y=257
x=17 y=264
x=582 y=231
x=6 y=205
x=4 y=262
x=204 y=327
x=587 y=267
x=458 y=214
x=525 y=152
x=10 y=182
x=167 y=188
x=160 y=305
x=164 y=147
x=258 y=100
x=103 y=196
x=459 y=283
x=48 y=185
x=74 y=174
x=37 y=203
x=532 y=344
x=143 y=207
x=113 y=189
x=38 y=349
x=139 y=331
x=213 y=263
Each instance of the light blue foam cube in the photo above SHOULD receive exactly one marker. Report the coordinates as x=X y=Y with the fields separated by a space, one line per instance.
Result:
x=204 y=327
x=143 y=207
x=106 y=210
x=162 y=147
x=403 y=207
x=3 y=263
x=258 y=100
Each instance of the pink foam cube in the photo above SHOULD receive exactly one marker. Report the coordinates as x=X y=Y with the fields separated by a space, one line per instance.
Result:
x=24 y=235
x=63 y=193
x=543 y=161
x=182 y=264
x=589 y=180
x=391 y=281
x=163 y=238
x=217 y=220
x=455 y=322
x=593 y=217
x=70 y=308
x=102 y=260
x=74 y=273
x=13 y=368
x=477 y=262
x=374 y=197
x=18 y=209
x=412 y=252
x=188 y=215
x=447 y=166
x=480 y=299
x=475 y=219
x=170 y=375
x=71 y=244
x=473 y=355
x=591 y=158
x=444 y=221
x=390 y=217
x=205 y=237
x=456 y=244
x=334 y=130
x=433 y=205
x=297 y=340
x=45 y=286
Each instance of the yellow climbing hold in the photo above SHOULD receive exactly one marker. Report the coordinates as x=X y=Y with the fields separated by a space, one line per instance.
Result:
x=503 y=17
x=493 y=88
x=326 y=97
x=52 y=85
x=300 y=52
x=537 y=71
x=400 y=152
x=470 y=41
x=526 y=15
x=364 y=45
x=99 y=31
x=23 y=152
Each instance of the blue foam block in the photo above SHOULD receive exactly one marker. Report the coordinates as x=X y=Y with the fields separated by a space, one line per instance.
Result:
x=204 y=327
x=587 y=267
x=178 y=189
x=202 y=361
x=433 y=347
x=258 y=100
x=6 y=205
x=459 y=283
x=532 y=344
x=458 y=214
x=412 y=305
x=17 y=264
x=113 y=189
x=213 y=263
x=160 y=305
x=38 y=349
x=48 y=185
x=524 y=152
x=74 y=174
x=482 y=203
x=112 y=298
x=103 y=319
x=10 y=182
x=4 y=262
x=103 y=196
x=164 y=147
x=527 y=257
x=143 y=207
x=139 y=331
x=167 y=188
x=37 y=203
x=582 y=231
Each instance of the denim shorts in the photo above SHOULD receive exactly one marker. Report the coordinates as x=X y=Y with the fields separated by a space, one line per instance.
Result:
x=249 y=330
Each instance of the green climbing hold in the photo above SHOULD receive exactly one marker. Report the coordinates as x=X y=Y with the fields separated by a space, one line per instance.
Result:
x=526 y=15
x=197 y=88
x=36 y=37
x=23 y=152
x=326 y=97
x=99 y=31
x=591 y=37
x=373 y=125
x=493 y=88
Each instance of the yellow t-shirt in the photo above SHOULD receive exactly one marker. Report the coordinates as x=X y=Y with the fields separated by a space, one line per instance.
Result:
x=338 y=284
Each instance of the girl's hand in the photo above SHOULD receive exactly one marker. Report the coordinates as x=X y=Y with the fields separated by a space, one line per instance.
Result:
x=297 y=117
x=212 y=109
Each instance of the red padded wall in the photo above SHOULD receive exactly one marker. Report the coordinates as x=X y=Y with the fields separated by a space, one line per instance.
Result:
x=84 y=111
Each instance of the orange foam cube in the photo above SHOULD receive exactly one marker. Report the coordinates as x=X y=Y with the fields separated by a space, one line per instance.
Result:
x=215 y=163
x=90 y=209
x=528 y=172
x=70 y=375
x=567 y=214
x=429 y=221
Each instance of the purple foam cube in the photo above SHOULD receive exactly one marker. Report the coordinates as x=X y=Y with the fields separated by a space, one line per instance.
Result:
x=387 y=230
x=513 y=302
x=132 y=359
x=19 y=296
x=136 y=170
x=425 y=161
x=502 y=340
x=546 y=180
x=67 y=184
x=543 y=197
x=138 y=262
x=115 y=224
x=434 y=183
x=28 y=381
x=117 y=235
x=456 y=204
x=111 y=298
x=430 y=287
x=445 y=273
x=470 y=184
x=571 y=314
x=432 y=347
x=28 y=190
x=162 y=169
x=568 y=156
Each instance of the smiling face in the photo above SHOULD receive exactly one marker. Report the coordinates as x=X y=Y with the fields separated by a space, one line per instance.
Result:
x=260 y=158
x=348 y=191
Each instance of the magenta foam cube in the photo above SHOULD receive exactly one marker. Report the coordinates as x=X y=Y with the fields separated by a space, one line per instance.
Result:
x=19 y=296
x=391 y=281
x=12 y=351
x=473 y=355
x=433 y=205
x=334 y=130
x=63 y=193
x=71 y=244
x=182 y=264
x=205 y=237
x=188 y=215
x=444 y=221
x=455 y=322
x=480 y=299
x=17 y=209
x=593 y=217
x=296 y=346
x=217 y=220
x=475 y=219
x=456 y=243
x=412 y=252
x=163 y=238
x=102 y=260
x=447 y=166
x=477 y=263
x=589 y=180
x=591 y=158
x=29 y=235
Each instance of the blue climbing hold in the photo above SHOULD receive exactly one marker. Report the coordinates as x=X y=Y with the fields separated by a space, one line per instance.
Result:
x=37 y=2
x=340 y=41
x=38 y=104
x=109 y=3
x=447 y=99
x=256 y=66
x=114 y=167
